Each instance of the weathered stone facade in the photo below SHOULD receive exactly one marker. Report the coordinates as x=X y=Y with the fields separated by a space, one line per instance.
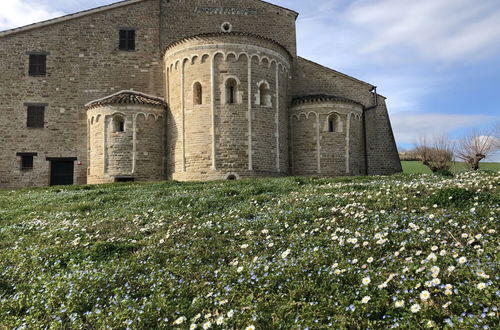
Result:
x=238 y=102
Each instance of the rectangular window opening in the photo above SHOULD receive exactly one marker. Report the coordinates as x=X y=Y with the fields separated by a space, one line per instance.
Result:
x=127 y=39
x=38 y=65
x=124 y=179
x=26 y=160
x=36 y=116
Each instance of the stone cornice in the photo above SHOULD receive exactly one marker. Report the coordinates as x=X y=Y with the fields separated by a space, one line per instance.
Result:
x=322 y=98
x=203 y=36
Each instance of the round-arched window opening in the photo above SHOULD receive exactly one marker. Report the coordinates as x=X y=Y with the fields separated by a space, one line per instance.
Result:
x=226 y=27
x=118 y=124
x=231 y=177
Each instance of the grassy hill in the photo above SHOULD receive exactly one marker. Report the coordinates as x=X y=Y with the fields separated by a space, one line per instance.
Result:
x=415 y=167
x=291 y=253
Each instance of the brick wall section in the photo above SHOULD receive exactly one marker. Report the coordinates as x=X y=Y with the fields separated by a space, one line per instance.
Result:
x=84 y=64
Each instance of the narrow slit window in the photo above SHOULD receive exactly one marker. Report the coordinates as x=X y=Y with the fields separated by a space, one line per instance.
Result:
x=265 y=96
x=197 y=94
x=231 y=88
x=331 y=125
x=127 y=39
x=334 y=123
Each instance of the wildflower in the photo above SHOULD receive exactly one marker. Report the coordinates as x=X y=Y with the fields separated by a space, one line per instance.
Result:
x=230 y=313
x=462 y=260
x=180 y=320
x=415 y=308
x=250 y=327
x=220 y=320
x=207 y=325
x=244 y=246
x=399 y=303
x=366 y=280
x=285 y=254
x=240 y=269
x=446 y=305
x=424 y=295
x=192 y=326
x=366 y=299
x=481 y=286
x=369 y=260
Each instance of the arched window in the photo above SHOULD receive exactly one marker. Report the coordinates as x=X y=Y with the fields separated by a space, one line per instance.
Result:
x=118 y=124
x=334 y=124
x=231 y=90
x=197 y=94
x=265 y=95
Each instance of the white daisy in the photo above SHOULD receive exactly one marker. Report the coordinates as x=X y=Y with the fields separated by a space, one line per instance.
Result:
x=424 y=295
x=415 y=308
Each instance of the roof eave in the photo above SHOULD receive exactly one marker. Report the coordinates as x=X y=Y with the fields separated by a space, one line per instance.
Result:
x=67 y=17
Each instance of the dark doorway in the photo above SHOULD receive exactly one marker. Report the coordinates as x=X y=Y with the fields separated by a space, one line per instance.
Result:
x=61 y=171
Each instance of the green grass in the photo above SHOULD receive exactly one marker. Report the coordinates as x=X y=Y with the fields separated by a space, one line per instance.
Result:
x=415 y=167
x=286 y=253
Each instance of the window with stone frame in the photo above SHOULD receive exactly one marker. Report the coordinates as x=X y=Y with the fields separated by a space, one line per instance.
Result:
x=231 y=91
x=35 y=116
x=197 y=93
x=118 y=124
x=37 y=65
x=26 y=160
x=127 y=39
x=265 y=95
x=334 y=123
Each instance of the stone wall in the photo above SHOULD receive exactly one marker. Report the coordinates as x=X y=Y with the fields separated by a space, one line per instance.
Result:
x=83 y=64
x=318 y=151
x=184 y=18
x=382 y=156
x=382 y=152
x=217 y=139
x=136 y=152
x=206 y=141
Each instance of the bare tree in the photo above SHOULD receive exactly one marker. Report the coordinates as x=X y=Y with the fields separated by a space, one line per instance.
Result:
x=436 y=153
x=474 y=147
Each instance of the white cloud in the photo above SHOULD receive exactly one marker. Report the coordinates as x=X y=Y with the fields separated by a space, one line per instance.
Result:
x=434 y=29
x=16 y=13
x=409 y=127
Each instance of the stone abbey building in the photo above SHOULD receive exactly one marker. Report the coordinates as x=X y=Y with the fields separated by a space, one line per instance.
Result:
x=150 y=90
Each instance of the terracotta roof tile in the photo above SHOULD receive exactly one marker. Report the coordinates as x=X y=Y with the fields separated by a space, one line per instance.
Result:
x=127 y=97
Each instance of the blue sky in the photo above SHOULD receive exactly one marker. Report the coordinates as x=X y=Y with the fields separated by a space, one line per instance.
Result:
x=437 y=61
